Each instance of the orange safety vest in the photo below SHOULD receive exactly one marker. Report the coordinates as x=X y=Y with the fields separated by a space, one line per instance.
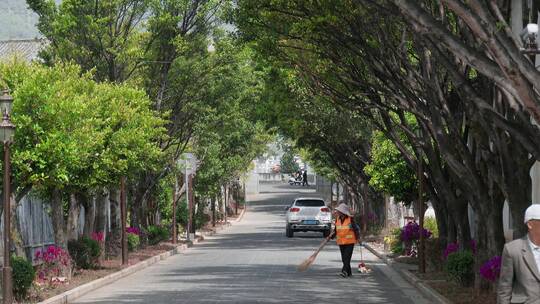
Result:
x=344 y=232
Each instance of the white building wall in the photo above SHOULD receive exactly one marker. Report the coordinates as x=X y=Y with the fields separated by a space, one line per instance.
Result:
x=535 y=177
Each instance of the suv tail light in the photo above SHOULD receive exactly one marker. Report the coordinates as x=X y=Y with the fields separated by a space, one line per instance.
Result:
x=294 y=209
x=324 y=209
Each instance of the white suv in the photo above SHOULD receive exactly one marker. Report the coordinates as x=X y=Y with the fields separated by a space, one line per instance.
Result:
x=308 y=214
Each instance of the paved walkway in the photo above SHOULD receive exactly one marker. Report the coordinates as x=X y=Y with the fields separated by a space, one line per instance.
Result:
x=253 y=262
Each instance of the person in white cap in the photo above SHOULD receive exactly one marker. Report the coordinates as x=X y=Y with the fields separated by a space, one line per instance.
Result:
x=346 y=234
x=519 y=281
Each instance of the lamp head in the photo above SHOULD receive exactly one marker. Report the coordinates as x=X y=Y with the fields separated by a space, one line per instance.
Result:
x=6 y=103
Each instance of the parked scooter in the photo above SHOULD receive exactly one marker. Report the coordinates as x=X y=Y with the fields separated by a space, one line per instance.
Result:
x=295 y=181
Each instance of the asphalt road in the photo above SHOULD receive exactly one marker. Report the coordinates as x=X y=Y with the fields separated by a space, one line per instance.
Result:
x=253 y=262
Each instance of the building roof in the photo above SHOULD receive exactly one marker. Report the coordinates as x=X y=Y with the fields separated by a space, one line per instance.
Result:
x=24 y=49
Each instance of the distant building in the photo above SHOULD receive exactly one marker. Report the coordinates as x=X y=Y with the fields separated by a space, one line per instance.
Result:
x=27 y=49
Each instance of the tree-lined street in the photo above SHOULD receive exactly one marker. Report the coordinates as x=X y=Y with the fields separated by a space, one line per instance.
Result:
x=253 y=262
x=128 y=125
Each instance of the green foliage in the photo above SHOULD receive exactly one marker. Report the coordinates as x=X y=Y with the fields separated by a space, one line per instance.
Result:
x=157 y=234
x=288 y=165
x=74 y=133
x=201 y=218
x=96 y=35
x=182 y=215
x=133 y=241
x=430 y=223
x=459 y=267
x=388 y=171
x=393 y=240
x=227 y=136
x=85 y=252
x=23 y=276
x=163 y=48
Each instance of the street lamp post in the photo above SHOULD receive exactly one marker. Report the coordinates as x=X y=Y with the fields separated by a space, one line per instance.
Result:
x=7 y=130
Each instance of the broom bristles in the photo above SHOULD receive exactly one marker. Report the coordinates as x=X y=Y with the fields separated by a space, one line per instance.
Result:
x=306 y=263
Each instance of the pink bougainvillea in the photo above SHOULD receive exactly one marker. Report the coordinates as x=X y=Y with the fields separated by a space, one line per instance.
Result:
x=52 y=263
x=98 y=236
x=411 y=232
x=133 y=230
x=491 y=269
x=454 y=247
x=450 y=248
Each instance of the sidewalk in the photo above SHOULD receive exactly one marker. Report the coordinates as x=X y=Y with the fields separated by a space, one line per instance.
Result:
x=407 y=271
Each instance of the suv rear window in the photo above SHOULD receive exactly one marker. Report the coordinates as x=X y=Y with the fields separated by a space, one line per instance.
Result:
x=309 y=203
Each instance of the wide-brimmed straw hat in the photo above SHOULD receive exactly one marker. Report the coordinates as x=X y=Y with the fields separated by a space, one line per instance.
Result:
x=343 y=208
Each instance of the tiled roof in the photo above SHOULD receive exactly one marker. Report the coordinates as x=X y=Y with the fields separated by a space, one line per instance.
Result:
x=25 y=49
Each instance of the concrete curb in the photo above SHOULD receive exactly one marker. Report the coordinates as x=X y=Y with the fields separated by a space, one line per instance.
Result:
x=241 y=214
x=72 y=294
x=430 y=293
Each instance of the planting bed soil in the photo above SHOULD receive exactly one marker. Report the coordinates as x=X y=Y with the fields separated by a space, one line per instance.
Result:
x=42 y=292
x=460 y=295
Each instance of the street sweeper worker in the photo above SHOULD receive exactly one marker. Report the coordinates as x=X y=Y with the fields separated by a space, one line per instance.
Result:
x=347 y=234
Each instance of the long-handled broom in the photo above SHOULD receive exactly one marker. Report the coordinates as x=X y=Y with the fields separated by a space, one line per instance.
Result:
x=305 y=264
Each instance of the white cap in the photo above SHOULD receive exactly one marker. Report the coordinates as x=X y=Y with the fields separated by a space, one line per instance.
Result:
x=532 y=213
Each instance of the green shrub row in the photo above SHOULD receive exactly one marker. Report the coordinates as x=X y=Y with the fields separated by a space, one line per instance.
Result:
x=85 y=252
x=133 y=241
x=23 y=276
x=157 y=234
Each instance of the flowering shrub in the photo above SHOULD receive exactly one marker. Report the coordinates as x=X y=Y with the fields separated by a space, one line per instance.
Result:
x=411 y=232
x=450 y=248
x=473 y=246
x=133 y=230
x=491 y=269
x=53 y=263
x=454 y=247
x=98 y=236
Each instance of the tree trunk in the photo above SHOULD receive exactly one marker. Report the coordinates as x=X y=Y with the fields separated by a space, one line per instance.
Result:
x=89 y=204
x=57 y=214
x=73 y=218
x=102 y=221
x=113 y=243
x=114 y=201
x=16 y=239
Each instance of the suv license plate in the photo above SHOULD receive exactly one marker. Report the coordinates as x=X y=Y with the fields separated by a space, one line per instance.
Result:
x=311 y=222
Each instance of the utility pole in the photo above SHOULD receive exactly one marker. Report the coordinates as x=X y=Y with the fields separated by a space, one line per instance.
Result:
x=226 y=198
x=175 y=193
x=190 y=205
x=123 y=217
